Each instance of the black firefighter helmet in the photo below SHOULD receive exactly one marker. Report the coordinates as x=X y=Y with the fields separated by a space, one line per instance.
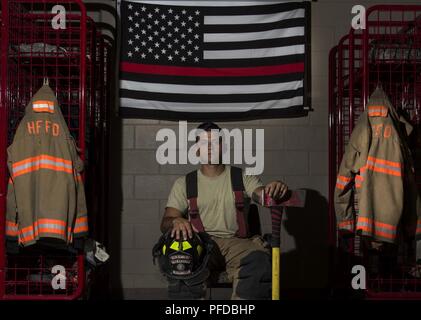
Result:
x=183 y=259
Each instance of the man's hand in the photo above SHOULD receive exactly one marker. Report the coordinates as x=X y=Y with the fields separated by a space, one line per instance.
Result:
x=276 y=189
x=182 y=227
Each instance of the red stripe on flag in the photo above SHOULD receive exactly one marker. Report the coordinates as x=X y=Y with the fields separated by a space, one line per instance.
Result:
x=211 y=72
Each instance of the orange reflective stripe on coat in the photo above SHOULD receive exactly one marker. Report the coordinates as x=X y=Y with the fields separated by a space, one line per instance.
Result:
x=359 y=180
x=384 y=166
x=42 y=226
x=342 y=182
x=418 y=226
x=43 y=106
x=377 y=111
x=81 y=225
x=378 y=228
x=11 y=229
x=346 y=224
x=41 y=162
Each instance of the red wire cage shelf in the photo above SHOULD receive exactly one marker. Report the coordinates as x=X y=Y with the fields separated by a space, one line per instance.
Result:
x=33 y=51
x=386 y=52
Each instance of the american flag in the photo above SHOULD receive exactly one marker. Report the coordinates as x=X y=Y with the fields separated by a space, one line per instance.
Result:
x=216 y=60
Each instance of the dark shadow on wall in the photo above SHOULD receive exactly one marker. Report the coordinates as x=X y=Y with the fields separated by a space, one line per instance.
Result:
x=116 y=188
x=115 y=204
x=304 y=262
x=115 y=209
x=304 y=268
x=109 y=285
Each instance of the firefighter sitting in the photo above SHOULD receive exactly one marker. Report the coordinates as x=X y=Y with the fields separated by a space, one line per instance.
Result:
x=213 y=198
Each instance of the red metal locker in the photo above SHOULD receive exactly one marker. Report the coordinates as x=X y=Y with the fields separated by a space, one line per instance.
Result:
x=386 y=53
x=32 y=50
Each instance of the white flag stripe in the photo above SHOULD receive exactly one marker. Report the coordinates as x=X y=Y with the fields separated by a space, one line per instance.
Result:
x=208 y=3
x=253 y=53
x=279 y=40
x=251 y=36
x=252 y=19
x=210 y=107
x=212 y=89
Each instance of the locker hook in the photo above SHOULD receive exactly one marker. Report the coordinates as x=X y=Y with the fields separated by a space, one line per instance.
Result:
x=46 y=82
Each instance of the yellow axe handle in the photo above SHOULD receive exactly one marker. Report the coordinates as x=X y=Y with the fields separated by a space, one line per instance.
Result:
x=275 y=272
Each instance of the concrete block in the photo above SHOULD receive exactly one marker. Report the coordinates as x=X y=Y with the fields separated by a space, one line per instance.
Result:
x=127 y=236
x=127 y=281
x=155 y=280
x=319 y=164
x=274 y=138
x=331 y=14
x=286 y=162
x=146 y=235
x=174 y=125
x=320 y=63
x=139 y=162
x=240 y=141
x=168 y=123
x=319 y=90
x=153 y=186
x=242 y=124
x=301 y=121
x=140 y=121
x=127 y=182
x=141 y=211
x=162 y=205
x=146 y=137
x=320 y=116
x=318 y=183
x=176 y=169
x=128 y=137
x=306 y=138
x=137 y=261
x=322 y=38
x=340 y=31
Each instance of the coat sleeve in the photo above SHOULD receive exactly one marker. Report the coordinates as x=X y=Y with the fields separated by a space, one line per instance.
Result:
x=11 y=209
x=81 y=224
x=80 y=229
x=352 y=162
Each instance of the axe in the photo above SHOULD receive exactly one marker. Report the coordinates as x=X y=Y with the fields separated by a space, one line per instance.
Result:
x=293 y=198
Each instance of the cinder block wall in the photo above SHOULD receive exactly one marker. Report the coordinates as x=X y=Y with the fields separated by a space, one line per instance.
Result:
x=296 y=151
x=293 y=147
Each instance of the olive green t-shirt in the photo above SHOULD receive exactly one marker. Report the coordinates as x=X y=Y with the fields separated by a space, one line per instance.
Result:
x=215 y=200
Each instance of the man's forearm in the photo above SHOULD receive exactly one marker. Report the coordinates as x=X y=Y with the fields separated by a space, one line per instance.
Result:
x=257 y=195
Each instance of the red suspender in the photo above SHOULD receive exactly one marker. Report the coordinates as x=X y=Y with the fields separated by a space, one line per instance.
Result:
x=238 y=188
x=193 y=210
x=194 y=215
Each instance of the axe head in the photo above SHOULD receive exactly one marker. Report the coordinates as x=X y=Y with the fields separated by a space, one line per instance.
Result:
x=293 y=198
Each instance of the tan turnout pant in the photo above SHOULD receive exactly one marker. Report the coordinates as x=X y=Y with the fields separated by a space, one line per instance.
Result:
x=228 y=255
